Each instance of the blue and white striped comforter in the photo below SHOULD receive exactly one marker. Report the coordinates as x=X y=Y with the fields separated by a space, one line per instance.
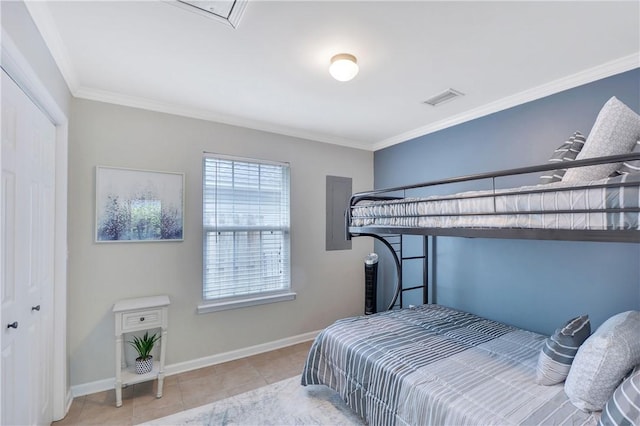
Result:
x=433 y=365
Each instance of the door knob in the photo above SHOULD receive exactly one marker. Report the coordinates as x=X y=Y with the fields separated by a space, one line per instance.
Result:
x=13 y=325
x=35 y=308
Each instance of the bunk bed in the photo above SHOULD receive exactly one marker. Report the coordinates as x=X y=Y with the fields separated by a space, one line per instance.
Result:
x=606 y=209
x=434 y=365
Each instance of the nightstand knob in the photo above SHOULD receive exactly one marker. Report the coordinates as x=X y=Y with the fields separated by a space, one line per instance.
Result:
x=141 y=319
x=13 y=325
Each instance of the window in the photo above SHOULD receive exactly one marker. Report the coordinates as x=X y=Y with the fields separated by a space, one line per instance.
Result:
x=245 y=232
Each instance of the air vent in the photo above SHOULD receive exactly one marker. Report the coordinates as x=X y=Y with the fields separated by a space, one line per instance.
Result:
x=226 y=11
x=443 y=97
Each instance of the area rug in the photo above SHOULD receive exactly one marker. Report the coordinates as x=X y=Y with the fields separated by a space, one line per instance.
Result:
x=281 y=403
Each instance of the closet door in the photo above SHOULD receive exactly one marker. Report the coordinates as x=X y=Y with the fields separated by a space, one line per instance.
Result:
x=27 y=252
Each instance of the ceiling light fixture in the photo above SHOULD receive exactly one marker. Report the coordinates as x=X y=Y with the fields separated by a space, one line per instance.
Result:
x=344 y=67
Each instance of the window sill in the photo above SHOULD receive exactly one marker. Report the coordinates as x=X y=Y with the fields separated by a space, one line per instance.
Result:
x=206 y=307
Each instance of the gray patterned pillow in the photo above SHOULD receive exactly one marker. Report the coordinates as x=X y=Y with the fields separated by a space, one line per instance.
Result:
x=565 y=152
x=615 y=131
x=559 y=350
x=624 y=406
x=603 y=360
x=632 y=166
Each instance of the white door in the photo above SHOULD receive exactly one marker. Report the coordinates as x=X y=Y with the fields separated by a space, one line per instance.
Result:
x=27 y=253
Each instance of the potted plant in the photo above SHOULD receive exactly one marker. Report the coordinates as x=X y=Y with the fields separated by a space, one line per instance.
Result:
x=143 y=345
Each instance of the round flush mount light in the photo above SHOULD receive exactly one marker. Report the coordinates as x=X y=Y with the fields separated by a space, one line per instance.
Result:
x=344 y=67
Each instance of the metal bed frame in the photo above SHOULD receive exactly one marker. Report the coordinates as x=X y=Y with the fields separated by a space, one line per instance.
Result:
x=627 y=235
x=385 y=234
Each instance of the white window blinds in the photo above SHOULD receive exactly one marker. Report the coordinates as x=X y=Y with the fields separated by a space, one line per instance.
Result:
x=246 y=227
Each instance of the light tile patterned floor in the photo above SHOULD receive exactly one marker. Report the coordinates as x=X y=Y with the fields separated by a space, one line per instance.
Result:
x=187 y=390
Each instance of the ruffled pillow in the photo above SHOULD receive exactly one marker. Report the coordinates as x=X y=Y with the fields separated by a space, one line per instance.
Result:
x=560 y=349
x=565 y=152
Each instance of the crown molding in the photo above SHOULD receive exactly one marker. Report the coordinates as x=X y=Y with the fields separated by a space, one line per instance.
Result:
x=203 y=114
x=608 y=69
x=41 y=15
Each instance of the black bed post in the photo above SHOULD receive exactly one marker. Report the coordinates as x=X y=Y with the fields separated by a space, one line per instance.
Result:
x=425 y=270
x=396 y=261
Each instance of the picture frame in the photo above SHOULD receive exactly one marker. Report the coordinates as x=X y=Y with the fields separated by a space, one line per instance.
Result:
x=138 y=205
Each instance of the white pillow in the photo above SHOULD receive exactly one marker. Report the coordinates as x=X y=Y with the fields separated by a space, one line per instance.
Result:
x=615 y=131
x=603 y=360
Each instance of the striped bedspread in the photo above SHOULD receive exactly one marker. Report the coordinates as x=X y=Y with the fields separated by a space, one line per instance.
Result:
x=433 y=365
x=564 y=206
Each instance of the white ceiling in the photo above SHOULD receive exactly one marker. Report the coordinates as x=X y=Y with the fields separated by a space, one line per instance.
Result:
x=270 y=73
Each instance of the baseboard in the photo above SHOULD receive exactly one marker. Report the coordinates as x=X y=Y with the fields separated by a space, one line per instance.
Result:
x=93 y=387
x=181 y=367
x=68 y=400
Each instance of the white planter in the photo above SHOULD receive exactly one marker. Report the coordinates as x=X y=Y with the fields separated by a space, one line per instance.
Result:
x=144 y=366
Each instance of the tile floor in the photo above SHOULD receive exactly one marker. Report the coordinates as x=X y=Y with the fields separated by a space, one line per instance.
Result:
x=187 y=390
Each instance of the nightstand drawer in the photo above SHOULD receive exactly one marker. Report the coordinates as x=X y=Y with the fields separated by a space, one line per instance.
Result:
x=139 y=320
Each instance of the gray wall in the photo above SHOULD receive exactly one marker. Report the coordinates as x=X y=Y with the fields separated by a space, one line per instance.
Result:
x=534 y=284
x=329 y=285
x=18 y=24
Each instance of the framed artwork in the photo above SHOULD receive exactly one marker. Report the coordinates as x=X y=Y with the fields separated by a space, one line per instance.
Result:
x=138 y=205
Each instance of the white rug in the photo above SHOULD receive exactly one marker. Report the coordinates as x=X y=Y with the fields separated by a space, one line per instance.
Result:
x=282 y=403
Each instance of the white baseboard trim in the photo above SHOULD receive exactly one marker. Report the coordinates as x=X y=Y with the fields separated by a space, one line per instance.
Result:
x=181 y=367
x=68 y=399
x=93 y=387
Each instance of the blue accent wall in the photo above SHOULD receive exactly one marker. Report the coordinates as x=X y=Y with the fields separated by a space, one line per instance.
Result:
x=537 y=285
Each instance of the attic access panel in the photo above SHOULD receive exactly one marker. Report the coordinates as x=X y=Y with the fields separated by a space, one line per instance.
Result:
x=226 y=11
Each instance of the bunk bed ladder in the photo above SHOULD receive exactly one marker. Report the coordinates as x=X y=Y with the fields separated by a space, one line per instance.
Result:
x=421 y=281
x=414 y=269
x=405 y=260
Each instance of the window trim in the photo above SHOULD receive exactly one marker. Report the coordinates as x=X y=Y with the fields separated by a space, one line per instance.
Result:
x=253 y=299
x=215 y=306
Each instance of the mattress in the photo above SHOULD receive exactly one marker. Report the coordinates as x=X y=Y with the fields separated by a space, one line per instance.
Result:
x=575 y=206
x=432 y=365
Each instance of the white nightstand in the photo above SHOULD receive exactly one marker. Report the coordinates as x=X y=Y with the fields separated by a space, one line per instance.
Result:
x=143 y=313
